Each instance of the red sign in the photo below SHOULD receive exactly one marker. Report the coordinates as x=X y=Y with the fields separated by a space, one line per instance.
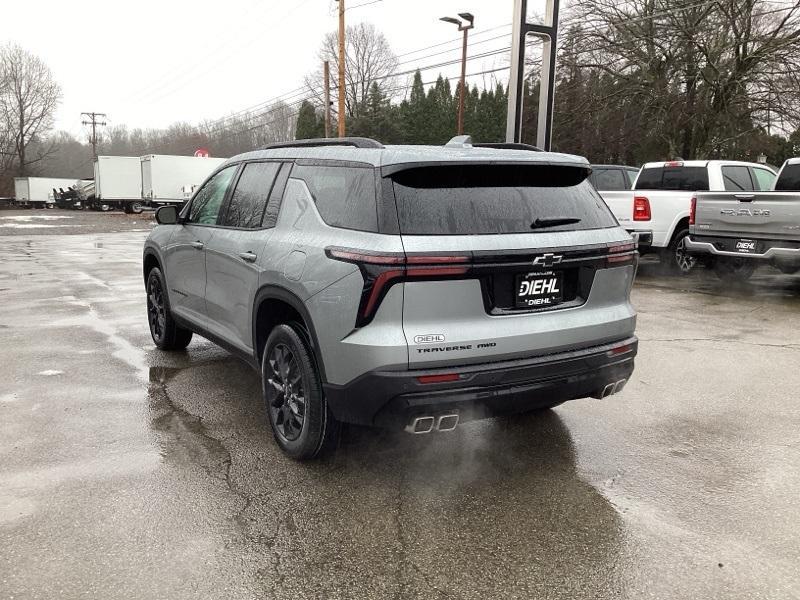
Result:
x=202 y=153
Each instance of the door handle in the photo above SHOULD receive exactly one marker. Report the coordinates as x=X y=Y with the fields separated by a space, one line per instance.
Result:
x=248 y=256
x=745 y=197
x=199 y=245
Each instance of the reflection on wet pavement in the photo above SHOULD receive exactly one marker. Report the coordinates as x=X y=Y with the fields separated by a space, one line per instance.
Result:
x=132 y=472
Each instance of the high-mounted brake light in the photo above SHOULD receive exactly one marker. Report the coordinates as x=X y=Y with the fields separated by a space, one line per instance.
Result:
x=382 y=270
x=674 y=164
x=641 y=209
x=693 y=211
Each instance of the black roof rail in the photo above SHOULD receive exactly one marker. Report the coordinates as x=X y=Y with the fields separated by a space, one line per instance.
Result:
x=355 y=142
x=508 y=146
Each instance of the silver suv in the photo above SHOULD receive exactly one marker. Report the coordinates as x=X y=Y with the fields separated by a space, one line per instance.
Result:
x=408 y=287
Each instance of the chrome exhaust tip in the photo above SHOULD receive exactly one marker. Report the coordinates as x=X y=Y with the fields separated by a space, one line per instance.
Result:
x=420 y=425
x=447 y=422
x=619 y=386
x=608 y=390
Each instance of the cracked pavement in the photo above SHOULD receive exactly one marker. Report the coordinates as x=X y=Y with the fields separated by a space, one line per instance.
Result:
x=128 y=472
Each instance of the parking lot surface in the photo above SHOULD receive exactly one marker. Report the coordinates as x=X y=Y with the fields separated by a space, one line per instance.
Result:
x=129 y=472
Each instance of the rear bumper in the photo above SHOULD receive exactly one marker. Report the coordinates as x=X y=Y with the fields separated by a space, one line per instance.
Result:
x=768 y=250
x=392 y=398
x=644 y=239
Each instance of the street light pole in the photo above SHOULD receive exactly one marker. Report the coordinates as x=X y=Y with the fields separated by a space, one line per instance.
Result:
x=465 y=27
x=341 y=116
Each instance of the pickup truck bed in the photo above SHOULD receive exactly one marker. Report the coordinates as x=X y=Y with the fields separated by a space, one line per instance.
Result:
x=744 y=230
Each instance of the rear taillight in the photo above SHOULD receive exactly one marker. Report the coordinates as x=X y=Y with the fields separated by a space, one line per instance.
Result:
x=621 y=254
x=382 y=270
x=693 y=211
x=641 y=209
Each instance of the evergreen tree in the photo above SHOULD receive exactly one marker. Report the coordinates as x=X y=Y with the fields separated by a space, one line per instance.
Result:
x=309 y=123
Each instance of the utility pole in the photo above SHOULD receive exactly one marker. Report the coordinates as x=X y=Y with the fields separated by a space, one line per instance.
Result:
x=341 y=69
x=93 y=121
x=326 y=69
x=469 y=18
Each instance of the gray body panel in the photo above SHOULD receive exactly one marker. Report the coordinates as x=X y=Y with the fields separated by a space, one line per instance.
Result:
x=768 y=215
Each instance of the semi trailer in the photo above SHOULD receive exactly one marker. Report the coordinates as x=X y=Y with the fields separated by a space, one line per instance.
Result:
x=39 y=192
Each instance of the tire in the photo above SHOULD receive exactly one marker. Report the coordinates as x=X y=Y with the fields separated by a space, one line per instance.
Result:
x=734 y=270
x=105 y=208
x=166 y=334
x=304 y=428
x=675 y=256
x=137 y=208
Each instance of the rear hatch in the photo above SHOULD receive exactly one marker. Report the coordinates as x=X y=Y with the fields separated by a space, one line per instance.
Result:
x=759 y=215
x=509 y=261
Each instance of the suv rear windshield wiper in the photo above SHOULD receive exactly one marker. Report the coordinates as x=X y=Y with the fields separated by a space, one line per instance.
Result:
x=554 y=222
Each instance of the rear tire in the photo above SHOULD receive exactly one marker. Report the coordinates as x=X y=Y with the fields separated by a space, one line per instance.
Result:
x=166 y=334
x=137 y=208
x=734 y=270
x=301 y=421
x=675 y=256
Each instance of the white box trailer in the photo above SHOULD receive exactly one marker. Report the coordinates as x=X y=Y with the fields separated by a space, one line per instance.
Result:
x=118 y=183
x=170 y=179
x=38 y=191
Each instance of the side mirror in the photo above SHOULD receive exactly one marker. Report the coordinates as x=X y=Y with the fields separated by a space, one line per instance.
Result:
x=167 y=215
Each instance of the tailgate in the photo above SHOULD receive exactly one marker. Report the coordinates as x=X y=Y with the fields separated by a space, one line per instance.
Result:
x=765 y=215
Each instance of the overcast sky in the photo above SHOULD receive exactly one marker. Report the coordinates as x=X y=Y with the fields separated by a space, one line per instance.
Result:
x=149 y=63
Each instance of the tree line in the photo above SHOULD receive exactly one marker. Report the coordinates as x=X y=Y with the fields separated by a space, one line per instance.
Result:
x=637 y=80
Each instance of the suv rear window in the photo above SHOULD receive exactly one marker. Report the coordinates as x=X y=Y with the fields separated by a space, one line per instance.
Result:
x=789 y=181
x=345 y=196
x=492 y=199
x=687 y=179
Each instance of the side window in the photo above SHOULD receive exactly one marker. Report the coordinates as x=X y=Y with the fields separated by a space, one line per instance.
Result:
x=207 y=202
x=609 y=180
x=631 y=177
x=249 y=199
x=765 y=180
x=344 y=196
x=737 y=179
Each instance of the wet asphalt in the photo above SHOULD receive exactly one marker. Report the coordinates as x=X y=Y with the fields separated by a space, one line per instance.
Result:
x=126 y=472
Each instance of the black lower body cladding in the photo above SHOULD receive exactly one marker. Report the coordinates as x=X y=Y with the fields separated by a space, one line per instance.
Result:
x=391 y=399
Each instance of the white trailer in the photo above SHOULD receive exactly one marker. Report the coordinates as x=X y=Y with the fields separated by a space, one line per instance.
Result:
x=38 y=191
x=118 y=183
x=171 y=179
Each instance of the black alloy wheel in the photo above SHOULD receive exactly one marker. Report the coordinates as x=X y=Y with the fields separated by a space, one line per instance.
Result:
x=285 y=392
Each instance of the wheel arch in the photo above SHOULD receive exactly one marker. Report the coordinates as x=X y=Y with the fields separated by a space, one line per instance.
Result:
x=150 y=259
x=274 y=304
x=682 y=222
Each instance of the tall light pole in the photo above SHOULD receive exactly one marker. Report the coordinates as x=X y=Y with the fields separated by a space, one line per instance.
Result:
x=465 y=26
x=341 y=68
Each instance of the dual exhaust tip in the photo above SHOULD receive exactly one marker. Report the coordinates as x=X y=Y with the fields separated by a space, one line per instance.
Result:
x=429 y=423
x=611 y=389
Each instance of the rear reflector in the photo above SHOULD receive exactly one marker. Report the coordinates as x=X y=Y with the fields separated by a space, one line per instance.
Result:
x=641 y=209
x=620 y=350
x=444 y=378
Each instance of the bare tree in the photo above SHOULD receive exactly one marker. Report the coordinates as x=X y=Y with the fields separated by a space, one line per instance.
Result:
x=29 y=97
x=701 y=74
x=368 y=59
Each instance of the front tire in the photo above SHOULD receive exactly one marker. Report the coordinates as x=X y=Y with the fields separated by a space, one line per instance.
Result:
x=734 y=270
x=166 y=334
x=301 y=421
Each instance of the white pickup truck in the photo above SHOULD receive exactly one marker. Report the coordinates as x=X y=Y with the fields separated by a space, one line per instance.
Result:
x=740 y=231
x=657 y=210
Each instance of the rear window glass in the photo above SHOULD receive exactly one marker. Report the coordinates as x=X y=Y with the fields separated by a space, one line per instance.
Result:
x=492 y=199
x=737 y=179
x=609 y=180
x=789 y=180
x=345 y=196
x=687 y=179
